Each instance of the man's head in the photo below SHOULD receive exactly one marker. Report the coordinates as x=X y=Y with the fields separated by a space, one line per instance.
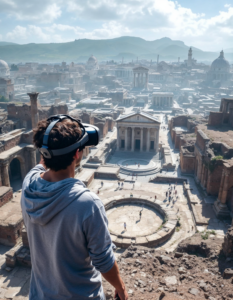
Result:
x=63 y=134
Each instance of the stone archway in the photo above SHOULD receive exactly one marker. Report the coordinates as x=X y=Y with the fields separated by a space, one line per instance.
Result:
x=16 y=172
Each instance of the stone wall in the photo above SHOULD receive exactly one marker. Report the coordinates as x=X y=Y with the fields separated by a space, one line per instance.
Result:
x=214 y=179
x=10 y=234
x=201 y=140
x=6 y=193
x=22 y=114
x=215 y=118
x=187 y=160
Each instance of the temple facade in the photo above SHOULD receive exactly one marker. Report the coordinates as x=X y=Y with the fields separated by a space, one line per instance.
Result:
x=138 y=131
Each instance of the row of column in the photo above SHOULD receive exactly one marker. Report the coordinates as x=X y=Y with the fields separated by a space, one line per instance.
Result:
x=139 y=80
x=148 y=139
x=163 y=101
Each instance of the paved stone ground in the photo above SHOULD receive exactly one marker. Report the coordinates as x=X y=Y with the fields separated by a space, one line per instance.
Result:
x=187 y=228
x=13 y=284
x=149 y=222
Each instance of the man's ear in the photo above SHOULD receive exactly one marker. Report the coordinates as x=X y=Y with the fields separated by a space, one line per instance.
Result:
x=77 y=154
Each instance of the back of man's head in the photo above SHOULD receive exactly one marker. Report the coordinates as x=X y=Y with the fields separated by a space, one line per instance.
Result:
x=63 y=134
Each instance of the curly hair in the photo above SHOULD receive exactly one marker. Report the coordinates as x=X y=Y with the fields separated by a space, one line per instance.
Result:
x=63 y=134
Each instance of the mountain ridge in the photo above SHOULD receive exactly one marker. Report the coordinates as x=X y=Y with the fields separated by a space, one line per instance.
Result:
x=105 y=49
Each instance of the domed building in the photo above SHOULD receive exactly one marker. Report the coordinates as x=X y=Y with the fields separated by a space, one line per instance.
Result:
x=220 y=69
x=92 y=63
x=4 y=69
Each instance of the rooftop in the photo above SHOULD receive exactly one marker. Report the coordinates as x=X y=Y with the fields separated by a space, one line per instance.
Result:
x=222 y=134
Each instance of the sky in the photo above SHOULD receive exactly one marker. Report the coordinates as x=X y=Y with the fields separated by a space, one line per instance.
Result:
x=205 y=24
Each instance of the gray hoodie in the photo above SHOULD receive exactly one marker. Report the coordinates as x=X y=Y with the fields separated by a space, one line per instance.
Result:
x=68 y=237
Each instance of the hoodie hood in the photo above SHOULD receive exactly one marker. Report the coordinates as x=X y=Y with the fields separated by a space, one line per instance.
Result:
x=43 y=200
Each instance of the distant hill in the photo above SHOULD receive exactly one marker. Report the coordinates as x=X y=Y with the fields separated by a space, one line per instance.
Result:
x=127 y=47
x=7 y=43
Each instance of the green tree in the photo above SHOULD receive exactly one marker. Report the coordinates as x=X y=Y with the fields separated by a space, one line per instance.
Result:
x=3 y=99
x=14 y=67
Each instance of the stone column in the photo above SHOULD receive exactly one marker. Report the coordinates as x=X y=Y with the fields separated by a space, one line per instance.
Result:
x=199 y=169
x=134 y=79
x=202 y=175
x=223 y=198
x=33 y=157
x=133 y=142
x=141 y=140
x=148 y=140
x=146 y=80
x=1 y=183
x=156 y=140
x=5 y=177
x=34 y=108
x=220 y=206
x=118 y=138
x=126 y=138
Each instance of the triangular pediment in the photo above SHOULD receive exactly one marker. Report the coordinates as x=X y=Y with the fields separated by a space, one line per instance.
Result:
x=138 y=118
x=140 y=69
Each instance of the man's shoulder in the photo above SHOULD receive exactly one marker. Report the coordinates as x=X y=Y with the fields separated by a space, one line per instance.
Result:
x=86 y=197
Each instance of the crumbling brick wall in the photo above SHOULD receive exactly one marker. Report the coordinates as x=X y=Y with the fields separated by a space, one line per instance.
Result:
x=201 y=140
x=187 y=160
x=214 y=179
x=10 y=234
x=6 y=193
x=215 y=118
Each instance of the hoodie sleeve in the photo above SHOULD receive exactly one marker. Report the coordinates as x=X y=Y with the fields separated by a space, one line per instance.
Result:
x=99 y=241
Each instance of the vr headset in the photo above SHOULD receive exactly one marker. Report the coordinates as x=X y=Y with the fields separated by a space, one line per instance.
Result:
x=90 y=137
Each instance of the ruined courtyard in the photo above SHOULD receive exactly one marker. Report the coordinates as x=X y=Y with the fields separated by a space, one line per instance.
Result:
x=163 y=169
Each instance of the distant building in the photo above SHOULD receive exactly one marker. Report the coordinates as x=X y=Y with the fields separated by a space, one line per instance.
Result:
x=162 y=99
x=190 y=62
x=92 y=63
x=4 y=69
x=95 y=102
x=6 y=88
x=137 y=131
x=220 y=69
x=140 y=78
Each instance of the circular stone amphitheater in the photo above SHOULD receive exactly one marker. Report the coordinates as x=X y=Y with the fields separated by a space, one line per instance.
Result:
x=155 y=226
x=141 y=167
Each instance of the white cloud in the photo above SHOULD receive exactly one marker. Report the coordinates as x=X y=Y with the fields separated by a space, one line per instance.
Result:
x=62 y=27
x=108 y=30
x=43 y=11
x=18 y=33
x=163 y=18
x=149 y=19
x=33 y=33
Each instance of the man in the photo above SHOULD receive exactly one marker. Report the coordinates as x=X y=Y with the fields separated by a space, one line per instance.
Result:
x=67 y=227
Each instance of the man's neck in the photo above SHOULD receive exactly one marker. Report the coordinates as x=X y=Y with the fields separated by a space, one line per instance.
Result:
x=53 y=176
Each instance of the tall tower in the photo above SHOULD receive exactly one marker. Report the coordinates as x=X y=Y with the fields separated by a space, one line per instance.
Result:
x=34 y=108
x=190 y=57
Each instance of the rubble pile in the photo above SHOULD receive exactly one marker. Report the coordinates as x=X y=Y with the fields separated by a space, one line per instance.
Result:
x=204 y=274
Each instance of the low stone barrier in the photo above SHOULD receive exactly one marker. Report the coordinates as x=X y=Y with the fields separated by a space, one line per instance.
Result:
x=155 y=239
x=167 y=179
